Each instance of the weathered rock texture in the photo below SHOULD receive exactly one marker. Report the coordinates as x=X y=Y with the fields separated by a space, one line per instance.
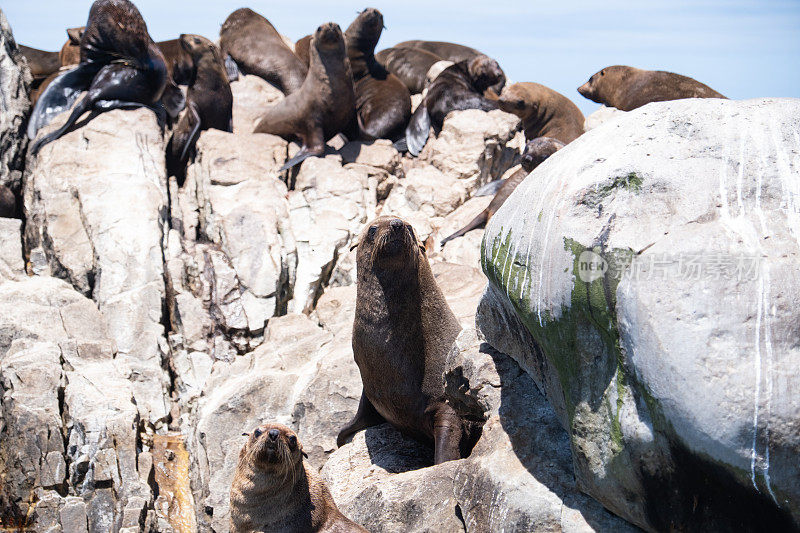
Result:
x=646 y=279
x=15 y=79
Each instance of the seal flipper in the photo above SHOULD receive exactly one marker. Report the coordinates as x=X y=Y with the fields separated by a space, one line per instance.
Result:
x=477 y=222
x=313 y=146
x=366 y=416
x=231 y=68
x=447 y=433
x=60 y=95
x=173 y=100
x=418 y=130
x=183 y=141
x=489 y=189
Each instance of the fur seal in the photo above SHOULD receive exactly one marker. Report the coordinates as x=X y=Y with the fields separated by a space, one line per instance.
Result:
x=41 y=63
x=274 y=489
x=402 y=332
x=544 y=112
x=536 y=151
x=257 y=48
x=121 y=66
x=209 y=102
x=383 y=103
x=455 y=53
x=325 y=103
x=460 y=86
x=8 y=203
x=410 y=65
x=301 y=49
x=628 y=88
x=70 y=53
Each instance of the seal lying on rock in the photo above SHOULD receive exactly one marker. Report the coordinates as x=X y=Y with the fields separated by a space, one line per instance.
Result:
x=209 y=102
x=323 y=106
x=544 y=112
x=121 y=66
x=402 y=332
x=410 y=65
x=275 y=490
x=41 y=62
x=536 y=151
x=383 y=103
x=460 y=86
x=257 y=48
x=628 y=88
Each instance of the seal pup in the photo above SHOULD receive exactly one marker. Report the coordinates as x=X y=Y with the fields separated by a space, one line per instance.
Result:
x=455 y=53
x=209 y=102
x=383 y=103
x=8 y=203
x=402 y=332
x=121 y=66
x=410 y=65
x=256 y=47
x=460 y=86
x=41 y=62
x=544 y=112
x=628 y=88
x=70 y=53
x=274 y=489
x=536 y=151
x=323 y=106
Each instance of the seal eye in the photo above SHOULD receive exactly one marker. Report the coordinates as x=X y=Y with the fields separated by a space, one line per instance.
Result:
x=257 y=433
x=292 y=441
x=372 y=231
x=602 y=72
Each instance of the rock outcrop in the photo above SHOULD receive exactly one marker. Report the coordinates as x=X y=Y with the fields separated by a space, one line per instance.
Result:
x=645 y=276
x=15 y=80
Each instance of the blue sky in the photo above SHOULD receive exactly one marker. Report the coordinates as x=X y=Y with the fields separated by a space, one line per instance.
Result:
x=742 y=48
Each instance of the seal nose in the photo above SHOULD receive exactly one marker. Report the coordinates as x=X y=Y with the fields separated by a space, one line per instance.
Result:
x=396 y=224
x=273 y=434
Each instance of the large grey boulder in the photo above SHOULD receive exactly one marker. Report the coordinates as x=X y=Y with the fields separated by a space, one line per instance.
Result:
x=645 y=277
x=15 y=79
x=96 y=215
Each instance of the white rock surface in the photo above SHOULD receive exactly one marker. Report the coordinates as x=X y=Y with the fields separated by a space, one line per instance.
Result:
x=15 y=79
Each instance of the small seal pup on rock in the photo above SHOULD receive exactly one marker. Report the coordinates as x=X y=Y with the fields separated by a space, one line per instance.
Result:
x=323 y=106
x=209 y=102
x=544 y=112
x=536 y=151
x=121 y=66
x=257 y=48
x=383 y=103
x=402 y=333
x=628 y=88
x=274 y=490
x=460 y=86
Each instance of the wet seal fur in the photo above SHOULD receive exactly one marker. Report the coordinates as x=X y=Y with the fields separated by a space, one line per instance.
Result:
x=209 y=102
x=402 y=333
x=122 y=68
x=410 y=65
x=544 y=112
x=460 y=86
x=325 y=104
x=536 y=151
x=628 y=88
x=274 y=489
x=257 y=48
x=383 y=103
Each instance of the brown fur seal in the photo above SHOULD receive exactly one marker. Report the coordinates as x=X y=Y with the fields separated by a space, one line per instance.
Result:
x=544 y=112
x=41 y=63
x=402 y=332
x=209 y=102
x=120 y=65
x=70 y=53
x=8 y=203
x=455 y=53
x=383 y=103
x=257 y=48
x=323 y=106
x=628 y=88
x=458 y=87
x=536 y=151
x=275 y=490
x=410 y=65
x=301 y=49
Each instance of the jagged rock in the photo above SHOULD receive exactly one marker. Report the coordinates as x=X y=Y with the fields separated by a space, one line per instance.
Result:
x=12 y=265
x=462 y=287
x=70 y=422
x=327 y=209
x=645 y=280
x=15 y=79
x=96 y=215
x=475 y=147
x=465 y=250
x=251 y=97
x=601 y=116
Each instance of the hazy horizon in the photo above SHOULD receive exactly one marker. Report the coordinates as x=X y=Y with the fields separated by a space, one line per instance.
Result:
x=741 y=48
